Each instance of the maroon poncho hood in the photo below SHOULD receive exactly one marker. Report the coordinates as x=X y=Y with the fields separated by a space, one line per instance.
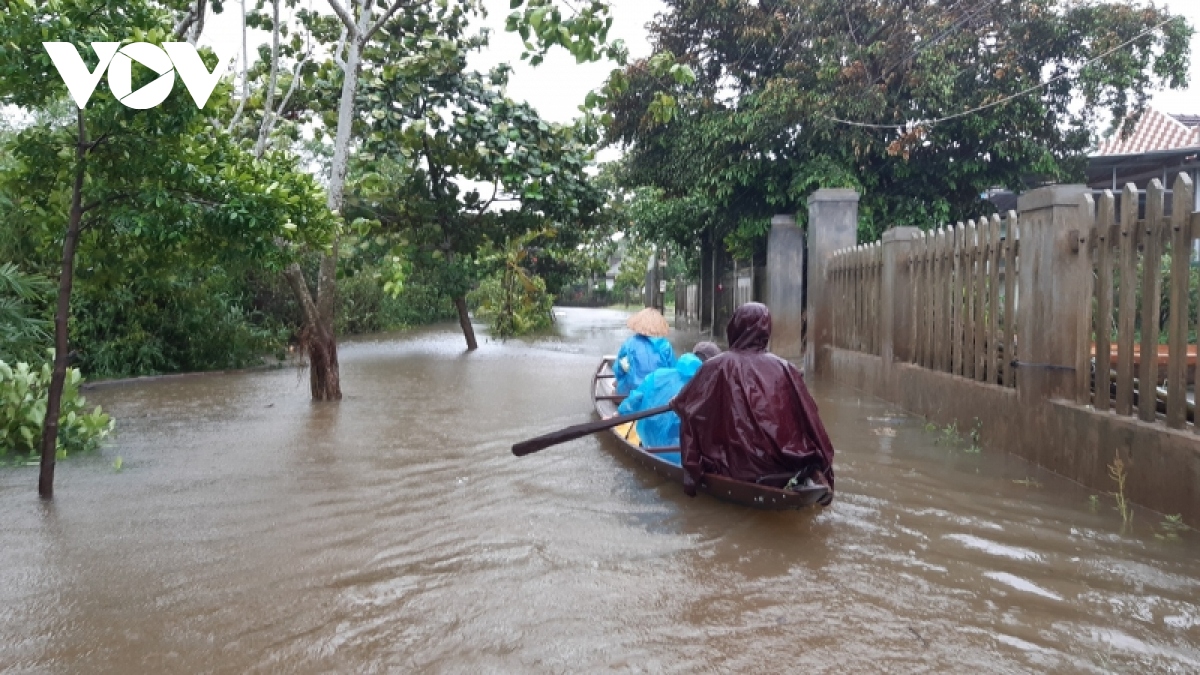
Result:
x=747 y=414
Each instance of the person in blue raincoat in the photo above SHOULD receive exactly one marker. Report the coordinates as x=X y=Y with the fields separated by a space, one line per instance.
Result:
x=659 y=387
x=645 y=352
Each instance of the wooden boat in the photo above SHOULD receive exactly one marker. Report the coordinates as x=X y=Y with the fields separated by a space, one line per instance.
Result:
x=666 y=461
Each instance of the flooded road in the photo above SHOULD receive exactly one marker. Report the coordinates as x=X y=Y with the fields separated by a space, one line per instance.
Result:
x=249 y=530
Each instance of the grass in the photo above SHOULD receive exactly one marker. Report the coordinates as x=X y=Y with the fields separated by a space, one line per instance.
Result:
x=1117 y=472
x=951 y=436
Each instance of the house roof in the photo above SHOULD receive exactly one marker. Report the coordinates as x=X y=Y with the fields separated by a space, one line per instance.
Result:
x=1190 y=121
x=1155 y=131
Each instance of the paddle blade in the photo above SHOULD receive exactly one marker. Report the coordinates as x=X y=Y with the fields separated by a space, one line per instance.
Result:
x=580 y=430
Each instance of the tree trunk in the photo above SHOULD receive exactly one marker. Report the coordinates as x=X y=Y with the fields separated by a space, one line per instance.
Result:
x=318 y=337
x=464 y=320
x=61 y=314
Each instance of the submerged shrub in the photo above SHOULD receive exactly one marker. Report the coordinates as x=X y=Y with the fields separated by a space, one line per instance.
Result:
x=23 y=395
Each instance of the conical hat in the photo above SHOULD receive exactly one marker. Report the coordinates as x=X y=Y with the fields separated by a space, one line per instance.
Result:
x=649 y=322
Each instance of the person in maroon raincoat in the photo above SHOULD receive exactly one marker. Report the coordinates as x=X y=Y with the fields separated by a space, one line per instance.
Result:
x=748 y=415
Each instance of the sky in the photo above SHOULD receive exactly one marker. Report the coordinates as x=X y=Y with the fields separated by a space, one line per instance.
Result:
x=558 y=86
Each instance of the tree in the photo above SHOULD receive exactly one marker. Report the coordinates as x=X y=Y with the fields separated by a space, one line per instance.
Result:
x=364 y=39
x=447 y=127
x=920 y=105
x=161 y=178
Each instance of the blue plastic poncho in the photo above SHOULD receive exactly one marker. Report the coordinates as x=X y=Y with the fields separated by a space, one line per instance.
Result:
x=659 y=387
x=640 y=356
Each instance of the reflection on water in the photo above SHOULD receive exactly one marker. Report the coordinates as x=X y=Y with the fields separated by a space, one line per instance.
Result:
x=253 y=531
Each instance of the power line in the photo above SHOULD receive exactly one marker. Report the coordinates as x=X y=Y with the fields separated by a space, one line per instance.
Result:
x=1006 y=99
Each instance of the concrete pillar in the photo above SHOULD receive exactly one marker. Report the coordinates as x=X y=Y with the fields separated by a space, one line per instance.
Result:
x=832 y=225
x=785 y=287
x=1054 y=286
x=896 y=296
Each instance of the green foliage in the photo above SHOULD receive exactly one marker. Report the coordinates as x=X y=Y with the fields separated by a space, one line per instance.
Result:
x=171 y=202
x=445 y=127
x=1171 y=527
x=23 y=392
x=950 y=435
x=365 y=306
x=23 y=334
x=514 y=299
x=1119 y=474
x=159 y=323
x=756 y=131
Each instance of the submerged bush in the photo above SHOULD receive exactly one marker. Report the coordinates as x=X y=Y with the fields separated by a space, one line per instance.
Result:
x=364 y=306
x=23 y=394
x=514 y=304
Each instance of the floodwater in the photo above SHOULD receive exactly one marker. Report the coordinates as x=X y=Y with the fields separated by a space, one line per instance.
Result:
x=249 y=531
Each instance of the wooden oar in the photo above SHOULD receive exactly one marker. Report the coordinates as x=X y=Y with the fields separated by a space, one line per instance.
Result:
x=580 y=430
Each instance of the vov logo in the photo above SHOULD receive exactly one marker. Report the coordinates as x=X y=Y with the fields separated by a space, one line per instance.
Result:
x=171 y=58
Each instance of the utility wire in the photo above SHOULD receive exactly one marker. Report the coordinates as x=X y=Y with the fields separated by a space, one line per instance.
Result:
x=1006 y=99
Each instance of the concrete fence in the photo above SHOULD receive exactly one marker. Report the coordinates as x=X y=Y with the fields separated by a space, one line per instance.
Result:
x=1012 y=323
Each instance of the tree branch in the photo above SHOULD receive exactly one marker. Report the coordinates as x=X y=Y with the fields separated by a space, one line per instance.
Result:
x=486 y=205
x=184 y=24
x=291 y=88
x=237 y=116
x=108 y=200
x=269 y=106
x=338 y=56
x=347 y=20
x=388 y=15
x=198 y=27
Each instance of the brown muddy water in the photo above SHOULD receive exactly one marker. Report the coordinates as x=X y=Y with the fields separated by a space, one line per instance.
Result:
x=251 y=531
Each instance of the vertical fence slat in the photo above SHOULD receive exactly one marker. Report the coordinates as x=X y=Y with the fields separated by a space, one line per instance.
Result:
x=1127 y=299
x=948 y=301
x=860 y=285
x=927 y=289
x=859 y=288
x=979 y=314
x=931 y=291
x=1181 y=240
x=955 y=301
x=947 y=327
x=1105 y=230
x=1010 y=299
x=993 y=326
x=876 y=280
x=969 y=291
x=1194 y=232
x=1087 y=231
x=981 y=242
x=1151 y=278
x=869 y=253
x=839 y=288
x=879 y=298
x=858 y=302
x=939 y=292
x=960 y=299
x=914 y=274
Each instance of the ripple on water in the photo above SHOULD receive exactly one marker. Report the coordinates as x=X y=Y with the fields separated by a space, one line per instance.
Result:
x=994 y=548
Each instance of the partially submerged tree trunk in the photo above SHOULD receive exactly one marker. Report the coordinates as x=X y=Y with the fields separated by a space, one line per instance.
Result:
x=464 y=320
x=61 y=314
x=318 y=336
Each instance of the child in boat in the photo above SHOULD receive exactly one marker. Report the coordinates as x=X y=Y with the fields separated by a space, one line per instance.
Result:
x=659 y=387
x=645 y=352
x=747 y=414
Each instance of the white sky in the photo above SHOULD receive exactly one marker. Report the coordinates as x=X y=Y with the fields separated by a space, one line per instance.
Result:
x=558 y=86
